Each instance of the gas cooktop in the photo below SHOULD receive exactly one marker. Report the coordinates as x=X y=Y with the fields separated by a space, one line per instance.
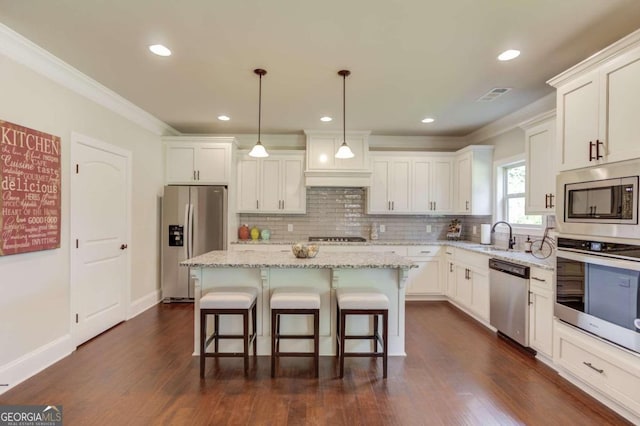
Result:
x=339 y=239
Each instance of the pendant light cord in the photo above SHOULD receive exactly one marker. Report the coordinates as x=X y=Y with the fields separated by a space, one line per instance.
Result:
x=344 y=108
x=259 y=106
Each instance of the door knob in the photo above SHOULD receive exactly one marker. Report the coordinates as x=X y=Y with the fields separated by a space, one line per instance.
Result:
x=123 y=247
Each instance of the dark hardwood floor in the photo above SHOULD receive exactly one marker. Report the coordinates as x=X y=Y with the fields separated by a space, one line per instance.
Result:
x=456 y=373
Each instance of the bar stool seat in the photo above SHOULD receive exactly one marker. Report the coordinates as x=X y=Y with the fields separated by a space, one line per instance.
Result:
x=228 y=301
x=294 y=301
x=362 y=301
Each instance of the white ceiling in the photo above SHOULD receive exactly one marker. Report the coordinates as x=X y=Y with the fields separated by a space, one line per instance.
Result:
x=409 y=59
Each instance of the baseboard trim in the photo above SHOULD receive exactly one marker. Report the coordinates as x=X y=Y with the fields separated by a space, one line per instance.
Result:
x=142 y=304
x=34 y=362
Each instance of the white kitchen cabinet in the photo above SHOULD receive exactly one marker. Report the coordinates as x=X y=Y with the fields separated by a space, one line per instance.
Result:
x=390 y=191
x=540 y=139
x=450 y=272
x=541 y=302
x=271 y=185
x=597 y=104
x=602 y=369
x=410 y=184
x=425 y=280
x=324 y=169
x=432 y=184
x=198 y=160
x=472 y=283
x=473 y=193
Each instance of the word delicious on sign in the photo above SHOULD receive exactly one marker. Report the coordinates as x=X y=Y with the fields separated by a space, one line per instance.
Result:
x=29 y=190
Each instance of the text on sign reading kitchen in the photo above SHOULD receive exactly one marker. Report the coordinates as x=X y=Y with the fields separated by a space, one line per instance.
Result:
x=29 y=188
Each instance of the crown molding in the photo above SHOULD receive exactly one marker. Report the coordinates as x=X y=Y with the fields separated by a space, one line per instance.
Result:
x=513 y=120
x=27 y=53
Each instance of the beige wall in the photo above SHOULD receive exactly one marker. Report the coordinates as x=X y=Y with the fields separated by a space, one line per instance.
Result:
x=507 y=144
x=34 y=287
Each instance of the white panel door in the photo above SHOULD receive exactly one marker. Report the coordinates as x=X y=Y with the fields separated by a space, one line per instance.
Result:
x=180 y=164
x=442 y=185
x=379 y=201
x=248 y=185
x=100 y=232
x=293 y=191
x=401 y=186
x=463 y=195
x=270 y=181
x=421 y=196
x=212 y=166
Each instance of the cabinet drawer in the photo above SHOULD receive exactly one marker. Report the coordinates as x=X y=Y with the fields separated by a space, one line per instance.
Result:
x=473 y=260
x=541 y=279
x=613 y=371
x=423 y=251
x=399 y=250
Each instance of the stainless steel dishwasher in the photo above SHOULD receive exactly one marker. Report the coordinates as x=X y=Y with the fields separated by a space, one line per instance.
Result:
x=509 y=299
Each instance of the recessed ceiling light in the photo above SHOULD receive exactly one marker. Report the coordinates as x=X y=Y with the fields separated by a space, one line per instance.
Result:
x=223 y=118
x=428 y=120
x=325 y=119
x=508 y=55
x=160 y=50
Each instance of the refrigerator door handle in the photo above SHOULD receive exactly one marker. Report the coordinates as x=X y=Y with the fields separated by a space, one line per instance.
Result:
x=191 y=246
x=185 y=232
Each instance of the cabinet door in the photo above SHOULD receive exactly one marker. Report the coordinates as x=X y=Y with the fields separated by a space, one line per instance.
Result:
x=463 y=286
x=270 y=179
x=577 y=122
x=399 y=190
x=378 y=198
x=442 y=185
x=321 y=153
x=540 y=170
x=180 y=163
x=463 y=182
x=541 y=321
x=451 y=277
x=248 y=185
x=620 y=100
x=424 y=279
x=212 y=164
x=480 y=294
x=293 y=189
x=421 y=184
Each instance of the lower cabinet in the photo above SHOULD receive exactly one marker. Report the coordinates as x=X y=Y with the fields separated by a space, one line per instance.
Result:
x=472 y=282
x=541 y=301
x=611 y=372
x=425 y=279
x=450 y=272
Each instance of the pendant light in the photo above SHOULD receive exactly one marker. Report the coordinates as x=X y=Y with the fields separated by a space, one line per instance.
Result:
x=258 y=150
x=344 y=151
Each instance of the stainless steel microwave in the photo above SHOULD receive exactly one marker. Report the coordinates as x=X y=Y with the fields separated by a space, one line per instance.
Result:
x=599 y=201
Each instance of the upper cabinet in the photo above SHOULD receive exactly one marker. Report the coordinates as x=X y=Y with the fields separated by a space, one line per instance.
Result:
x=198 y=160
x=473 y=193
x=597 y=105
x=410 y=183
x=324 y=169
x=272 y=185
x=540 y=138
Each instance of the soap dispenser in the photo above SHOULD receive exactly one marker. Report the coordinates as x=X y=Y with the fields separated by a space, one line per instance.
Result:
x=527 y=245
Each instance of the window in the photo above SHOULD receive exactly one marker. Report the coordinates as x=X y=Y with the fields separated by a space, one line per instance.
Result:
x=514 y=197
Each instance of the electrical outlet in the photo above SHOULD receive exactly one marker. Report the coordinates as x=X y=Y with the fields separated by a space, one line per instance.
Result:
x=383 y=228
x=290 y=227
x=475 y=230
x=428 y=228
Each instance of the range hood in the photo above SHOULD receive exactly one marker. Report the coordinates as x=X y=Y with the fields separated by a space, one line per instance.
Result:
x=323 y=169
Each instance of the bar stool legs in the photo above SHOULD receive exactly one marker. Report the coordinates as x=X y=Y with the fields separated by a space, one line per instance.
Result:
x=367 y=302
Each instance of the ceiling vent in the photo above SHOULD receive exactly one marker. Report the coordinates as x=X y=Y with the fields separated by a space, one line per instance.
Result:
x=493 y=94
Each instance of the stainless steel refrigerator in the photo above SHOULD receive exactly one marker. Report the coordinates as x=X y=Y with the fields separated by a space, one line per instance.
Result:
x=194 y=222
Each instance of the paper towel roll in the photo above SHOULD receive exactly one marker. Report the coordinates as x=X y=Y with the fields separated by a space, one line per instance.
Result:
x=485 y=233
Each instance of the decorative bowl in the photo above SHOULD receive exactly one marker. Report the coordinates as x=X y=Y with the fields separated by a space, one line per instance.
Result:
x=304 y=250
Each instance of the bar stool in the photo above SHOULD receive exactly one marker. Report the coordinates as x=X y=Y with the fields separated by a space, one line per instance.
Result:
x=362 y=301
x=228 y=301
x=294 y=301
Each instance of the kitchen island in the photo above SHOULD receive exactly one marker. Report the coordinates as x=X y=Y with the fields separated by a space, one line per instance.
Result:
x=326 y=272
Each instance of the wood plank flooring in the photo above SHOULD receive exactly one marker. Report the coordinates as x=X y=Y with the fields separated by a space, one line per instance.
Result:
x=456 y=373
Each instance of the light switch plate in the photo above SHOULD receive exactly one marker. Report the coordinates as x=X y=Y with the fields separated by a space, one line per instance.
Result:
x=290 y=227
x=428 y=228
x=475 y=230
x=383 y=228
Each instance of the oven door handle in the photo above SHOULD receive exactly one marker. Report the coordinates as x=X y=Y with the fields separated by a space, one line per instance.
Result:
x=598 y=260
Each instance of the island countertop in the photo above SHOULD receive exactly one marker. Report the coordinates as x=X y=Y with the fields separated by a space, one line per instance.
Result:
x=260 y=259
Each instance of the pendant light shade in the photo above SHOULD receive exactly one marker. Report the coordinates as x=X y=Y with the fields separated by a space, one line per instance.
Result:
x=259 y=150
x=344 y=151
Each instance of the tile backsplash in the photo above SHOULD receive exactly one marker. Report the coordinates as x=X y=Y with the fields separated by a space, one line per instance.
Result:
x=342 y=212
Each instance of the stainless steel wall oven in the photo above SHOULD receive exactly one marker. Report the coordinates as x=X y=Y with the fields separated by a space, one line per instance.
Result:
x=598 y=289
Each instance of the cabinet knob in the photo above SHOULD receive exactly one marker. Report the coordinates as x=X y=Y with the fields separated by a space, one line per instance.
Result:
x=123 y=247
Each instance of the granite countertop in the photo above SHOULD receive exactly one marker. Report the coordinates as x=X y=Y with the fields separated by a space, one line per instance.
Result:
x=520 y=257
x=260 y=259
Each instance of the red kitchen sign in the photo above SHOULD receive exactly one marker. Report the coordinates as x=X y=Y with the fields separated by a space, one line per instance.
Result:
x=29 y=190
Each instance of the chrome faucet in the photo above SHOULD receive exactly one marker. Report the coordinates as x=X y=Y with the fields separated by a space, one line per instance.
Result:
x=512 y=239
